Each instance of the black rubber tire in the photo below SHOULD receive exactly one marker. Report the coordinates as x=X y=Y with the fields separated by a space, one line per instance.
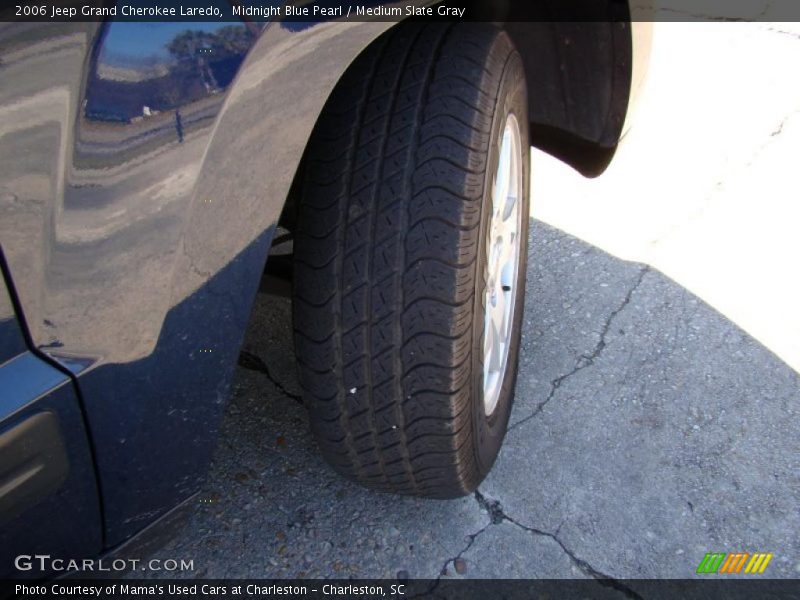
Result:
x=390 y=255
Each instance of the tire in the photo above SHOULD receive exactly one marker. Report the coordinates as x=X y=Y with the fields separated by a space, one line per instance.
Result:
x=391 y=253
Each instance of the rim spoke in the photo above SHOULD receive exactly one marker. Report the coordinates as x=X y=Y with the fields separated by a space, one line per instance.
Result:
x=503 y=178
x=494 y=256
x=498 y=314
x=495 y=362
x=509 y=204
x=488 y=339
x=505 y=262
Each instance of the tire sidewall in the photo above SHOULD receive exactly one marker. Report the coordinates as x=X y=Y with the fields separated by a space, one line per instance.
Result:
x=490 y=431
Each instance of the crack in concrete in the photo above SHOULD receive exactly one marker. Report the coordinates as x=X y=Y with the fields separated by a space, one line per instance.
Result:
x=792 y=34
x=776 y=132
x=652 y=13
x=584 y=360
x=443 y=571
x=496 y=514
x=495 y=509
x=686 y=15
x=252 y=362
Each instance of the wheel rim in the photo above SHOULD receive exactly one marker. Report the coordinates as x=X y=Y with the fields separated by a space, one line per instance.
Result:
x=502 y=265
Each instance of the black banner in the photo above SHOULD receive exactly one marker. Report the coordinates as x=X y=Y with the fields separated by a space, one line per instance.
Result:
x=379 y=10
x=519 y=589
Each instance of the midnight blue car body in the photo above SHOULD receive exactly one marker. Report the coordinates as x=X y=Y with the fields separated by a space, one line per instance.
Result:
x=145 y=168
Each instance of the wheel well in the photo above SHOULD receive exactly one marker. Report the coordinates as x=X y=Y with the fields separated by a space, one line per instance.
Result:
x=579 y=83
x=579 y=68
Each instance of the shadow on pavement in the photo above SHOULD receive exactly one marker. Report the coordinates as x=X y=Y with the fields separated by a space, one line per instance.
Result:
x=647 y=431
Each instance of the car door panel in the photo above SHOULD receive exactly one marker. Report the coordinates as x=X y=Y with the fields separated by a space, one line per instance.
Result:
x=48 y=493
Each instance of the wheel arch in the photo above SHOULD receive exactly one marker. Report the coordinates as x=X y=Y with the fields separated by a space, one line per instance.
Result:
x=584 y=65
x=582 y=79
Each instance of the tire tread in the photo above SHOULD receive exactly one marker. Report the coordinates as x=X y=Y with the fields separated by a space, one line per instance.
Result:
x=386 y=254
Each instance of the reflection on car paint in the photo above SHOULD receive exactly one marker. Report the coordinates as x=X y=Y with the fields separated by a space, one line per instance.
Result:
x=141 y=216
